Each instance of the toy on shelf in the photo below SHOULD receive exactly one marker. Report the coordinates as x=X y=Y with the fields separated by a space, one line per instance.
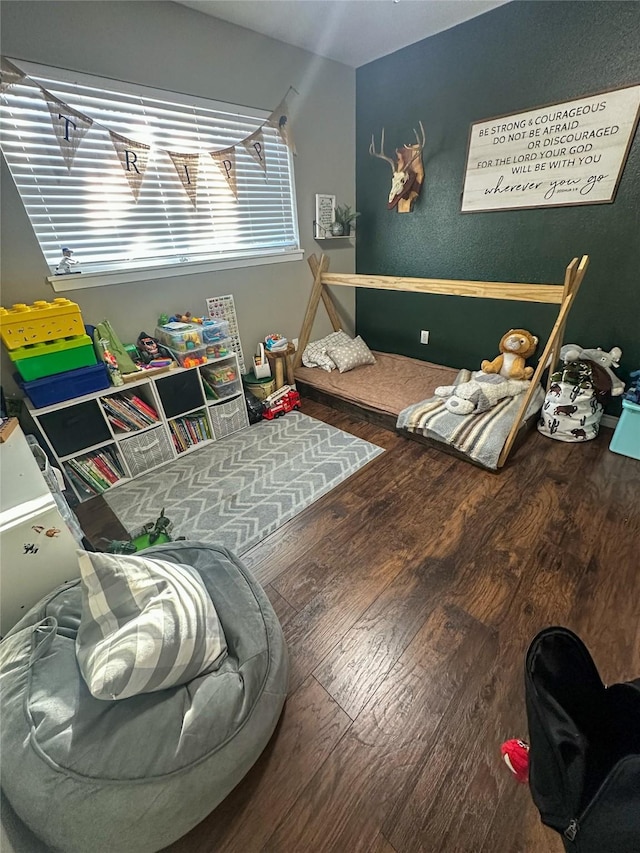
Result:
x=147 y=347
x=64 y=267
x=284 y=400
x=109 y=359
x=276 y=342
x=515 y=347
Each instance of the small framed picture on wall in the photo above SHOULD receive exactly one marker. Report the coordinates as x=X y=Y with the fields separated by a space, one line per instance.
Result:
x=325 y=216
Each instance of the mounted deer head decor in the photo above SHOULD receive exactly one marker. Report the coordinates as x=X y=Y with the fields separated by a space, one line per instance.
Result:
x=408 y=172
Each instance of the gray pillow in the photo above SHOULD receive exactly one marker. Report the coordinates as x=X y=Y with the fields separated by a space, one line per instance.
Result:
x=315 y=353
x=355 y=353
x=146 y=625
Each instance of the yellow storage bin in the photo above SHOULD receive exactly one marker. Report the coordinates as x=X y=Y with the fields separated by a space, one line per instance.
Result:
x=40 y=322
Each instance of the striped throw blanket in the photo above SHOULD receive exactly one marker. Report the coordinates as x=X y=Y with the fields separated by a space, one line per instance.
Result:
x=479 y=436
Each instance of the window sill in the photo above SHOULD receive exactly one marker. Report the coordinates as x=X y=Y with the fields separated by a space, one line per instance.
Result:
x=80 y=281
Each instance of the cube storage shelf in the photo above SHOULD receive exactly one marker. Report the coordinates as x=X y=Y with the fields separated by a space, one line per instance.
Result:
x=111 y=436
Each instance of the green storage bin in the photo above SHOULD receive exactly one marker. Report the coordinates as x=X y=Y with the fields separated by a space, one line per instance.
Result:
x=37 y=361
x=626 y=438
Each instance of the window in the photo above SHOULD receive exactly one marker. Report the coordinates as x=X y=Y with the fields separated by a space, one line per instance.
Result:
x=91 y=207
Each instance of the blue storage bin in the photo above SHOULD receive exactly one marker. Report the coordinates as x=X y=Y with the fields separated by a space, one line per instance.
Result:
x=65 y=386
x=626 y=438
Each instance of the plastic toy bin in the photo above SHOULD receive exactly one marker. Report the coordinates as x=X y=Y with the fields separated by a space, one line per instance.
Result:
x=66 y=386
x=626 y=438
x=47 y=359
x=43 y=321
x=214 y=331
x=190 y=358
x=179 y=337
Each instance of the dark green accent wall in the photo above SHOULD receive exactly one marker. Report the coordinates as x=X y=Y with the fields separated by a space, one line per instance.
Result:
x=514 y=58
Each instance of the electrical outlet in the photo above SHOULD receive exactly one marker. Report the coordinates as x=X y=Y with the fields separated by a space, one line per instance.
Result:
x=424 y=337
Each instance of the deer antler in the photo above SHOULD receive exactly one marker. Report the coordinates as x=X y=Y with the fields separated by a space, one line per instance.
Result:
x=424 y=138
x=381 y=155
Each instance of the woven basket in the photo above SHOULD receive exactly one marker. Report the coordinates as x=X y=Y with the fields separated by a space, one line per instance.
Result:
x=230 y=417
x=147 y=450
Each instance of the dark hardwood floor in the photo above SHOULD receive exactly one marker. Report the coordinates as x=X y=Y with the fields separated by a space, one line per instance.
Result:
x=408 y=596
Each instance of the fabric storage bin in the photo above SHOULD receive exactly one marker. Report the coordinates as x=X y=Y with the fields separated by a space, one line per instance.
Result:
x=179 y=337
x=147 y=450
x=65 y=386
x=75 y=427
x=227 y=418
x=626 y=438
x=36 y=361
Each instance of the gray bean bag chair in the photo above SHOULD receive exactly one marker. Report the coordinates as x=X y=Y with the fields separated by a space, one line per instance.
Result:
x=132 y=776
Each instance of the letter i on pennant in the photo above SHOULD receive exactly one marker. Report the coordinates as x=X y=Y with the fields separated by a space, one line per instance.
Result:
x=187 y=169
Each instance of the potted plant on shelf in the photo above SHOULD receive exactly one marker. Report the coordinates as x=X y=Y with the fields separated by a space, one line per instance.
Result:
x=344 y=218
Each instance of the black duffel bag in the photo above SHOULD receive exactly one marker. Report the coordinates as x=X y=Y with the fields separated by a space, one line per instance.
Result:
x=584 y=758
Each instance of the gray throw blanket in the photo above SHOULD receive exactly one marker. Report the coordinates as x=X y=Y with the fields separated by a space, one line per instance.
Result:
x=479 y=436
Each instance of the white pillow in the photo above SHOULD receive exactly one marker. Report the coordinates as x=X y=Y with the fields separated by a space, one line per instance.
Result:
x=354 y=353
x=315 y=353
x=146 y=625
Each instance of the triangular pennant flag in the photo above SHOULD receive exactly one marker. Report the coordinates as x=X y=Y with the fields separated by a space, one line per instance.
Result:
x=279 y=119
x=226 y=161
x=255 y=146
x=69 y=126
x=9 y=74
x=133 y=157
x=187 y=169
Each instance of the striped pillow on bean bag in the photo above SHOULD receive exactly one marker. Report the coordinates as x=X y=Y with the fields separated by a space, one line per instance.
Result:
x=146 y=625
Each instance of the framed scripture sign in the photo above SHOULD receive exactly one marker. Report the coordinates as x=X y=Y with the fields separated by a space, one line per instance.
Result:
x=325 y=216
x=563 y=154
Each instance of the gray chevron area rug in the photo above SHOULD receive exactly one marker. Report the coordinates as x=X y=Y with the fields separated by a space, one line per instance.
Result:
x=236 y=491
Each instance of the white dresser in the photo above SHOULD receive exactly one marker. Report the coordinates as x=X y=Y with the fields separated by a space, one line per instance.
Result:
x=37 y=549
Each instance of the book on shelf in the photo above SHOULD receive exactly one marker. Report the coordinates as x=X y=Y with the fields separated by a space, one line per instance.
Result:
x=98 y=470
x=133 y=411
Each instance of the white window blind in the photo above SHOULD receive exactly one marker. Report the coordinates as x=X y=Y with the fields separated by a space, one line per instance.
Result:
x=91 y=208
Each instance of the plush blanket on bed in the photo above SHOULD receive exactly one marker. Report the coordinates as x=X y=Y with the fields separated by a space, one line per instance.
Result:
x=479 y=436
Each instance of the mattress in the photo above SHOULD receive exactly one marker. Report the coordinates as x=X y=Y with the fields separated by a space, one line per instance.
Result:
x=390 y=385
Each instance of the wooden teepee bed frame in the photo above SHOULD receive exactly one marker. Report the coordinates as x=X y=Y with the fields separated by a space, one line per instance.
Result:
x=562 y=295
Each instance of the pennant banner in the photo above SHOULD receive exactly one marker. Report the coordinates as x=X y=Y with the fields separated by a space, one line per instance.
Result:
x=187 y=169
x=279 y=119
x=133 y=157
x=255 y=146
x=9 y=75
x=69 y=126
x=226 y=162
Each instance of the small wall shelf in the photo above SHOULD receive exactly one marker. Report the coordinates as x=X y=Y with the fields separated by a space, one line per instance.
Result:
x=325 y=239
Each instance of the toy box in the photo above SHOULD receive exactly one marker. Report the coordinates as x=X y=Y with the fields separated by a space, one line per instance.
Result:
x=40 y=322
x=214 y=331
x=190 y=358
x=626 y=438
x=35 y=361
x=219 y=349
x=179 y=337
x=66 y=386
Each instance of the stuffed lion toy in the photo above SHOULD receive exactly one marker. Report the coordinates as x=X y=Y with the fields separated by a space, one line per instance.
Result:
x=515 y=347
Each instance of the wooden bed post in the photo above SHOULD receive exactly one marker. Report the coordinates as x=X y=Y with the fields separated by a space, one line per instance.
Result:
x=312 y=307
x=326 y=296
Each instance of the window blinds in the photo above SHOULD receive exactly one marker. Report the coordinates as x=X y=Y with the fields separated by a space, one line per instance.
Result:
x=91 y=208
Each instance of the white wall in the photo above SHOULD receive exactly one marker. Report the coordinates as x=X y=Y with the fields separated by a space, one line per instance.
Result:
x=171 y=47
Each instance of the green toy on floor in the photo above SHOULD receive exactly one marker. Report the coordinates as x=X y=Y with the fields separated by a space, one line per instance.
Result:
x=153 y=533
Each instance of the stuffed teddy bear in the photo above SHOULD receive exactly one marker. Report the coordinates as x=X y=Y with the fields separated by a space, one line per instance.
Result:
x=515 y=347
x=482 y=392
x=606 y=360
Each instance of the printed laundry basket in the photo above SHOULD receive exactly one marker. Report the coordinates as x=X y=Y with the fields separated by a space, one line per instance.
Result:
x=572 y=409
